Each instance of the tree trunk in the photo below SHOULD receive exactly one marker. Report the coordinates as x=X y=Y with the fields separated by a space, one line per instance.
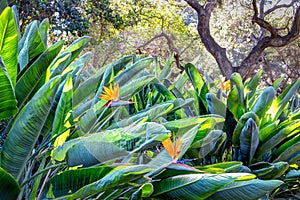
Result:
x=250 y=62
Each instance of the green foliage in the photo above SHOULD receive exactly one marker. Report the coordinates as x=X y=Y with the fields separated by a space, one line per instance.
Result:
x=63 y=140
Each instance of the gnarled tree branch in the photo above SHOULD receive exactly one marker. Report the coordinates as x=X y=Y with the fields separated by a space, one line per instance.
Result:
x=250 y=62
x=203 y=27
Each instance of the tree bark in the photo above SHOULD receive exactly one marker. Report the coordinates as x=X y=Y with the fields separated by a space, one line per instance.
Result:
x=250 y=62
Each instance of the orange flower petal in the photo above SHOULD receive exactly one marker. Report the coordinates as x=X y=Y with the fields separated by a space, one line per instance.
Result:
x=110 y=93
x=173 y=150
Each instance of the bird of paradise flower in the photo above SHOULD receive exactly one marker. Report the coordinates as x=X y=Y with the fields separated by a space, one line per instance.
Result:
x=174 y=149
x=111 y=94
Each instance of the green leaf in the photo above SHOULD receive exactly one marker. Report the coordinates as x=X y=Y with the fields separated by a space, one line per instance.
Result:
x=194 y=77
x=261 y=168
x=132 y=70
x=151 y=113
x=291 y=153
x=240 y=125
x=278 y=169
x=33 y=46
x=70 y=181
x=224 y=167
x=249 y=140
x=246 y=190
x=164 y=91
x=128 y=90
x=215 y=105
x=9 y=43
x=144 y=191
x=192 y=186
x=165 y=73
x=208 y=143
x=282 y=100
x=199 y=85
x=276 y=84
x=117 y=177
x=233 y=103
x=59 y=64
x=186 y=124
x=17 y=19
x=114 y=143
x=278 y=137
x=76 y=47
x=264 y=102
x=26 y=129
x=8 y=102
x=293 y=174
x=236 y=80
x=38 y=179
x=9 y=187
x=64 y=108
x=250 y=87
x=289 y=144
x=89 y=87
x=30 y=80
x=43 y=27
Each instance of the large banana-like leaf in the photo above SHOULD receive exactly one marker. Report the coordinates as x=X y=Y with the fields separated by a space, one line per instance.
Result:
x=151 y=113
x=223 y=167
x=293 y=174
x=250 y=87
x=9 y=187
x=34 y=77
x=33 y=46
x=8 y=102
x=59 y=64
x=195 y=77
x=249 y=140
x=233 y=103
x=132 y=70
x=117 y=177
x=246 y=190
x=278 y=169
x=186 y=124
x=134 y=86
x=89 y=87
x=43 y=27
x=70 y=181
x=278 y=137
x=281 y=101
x=289 y=143
x=166 y=71
x=110 y=144
x=76 y=47
x=264 y=102
x=63 y=111
x=164 y=91
x=208 y=143
x=215 y=105
x=236 y=80
x=240 y=125
x=9 y=44
x=199 y=85
x=291 y=154
x=194 y=186
x=26 y=129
